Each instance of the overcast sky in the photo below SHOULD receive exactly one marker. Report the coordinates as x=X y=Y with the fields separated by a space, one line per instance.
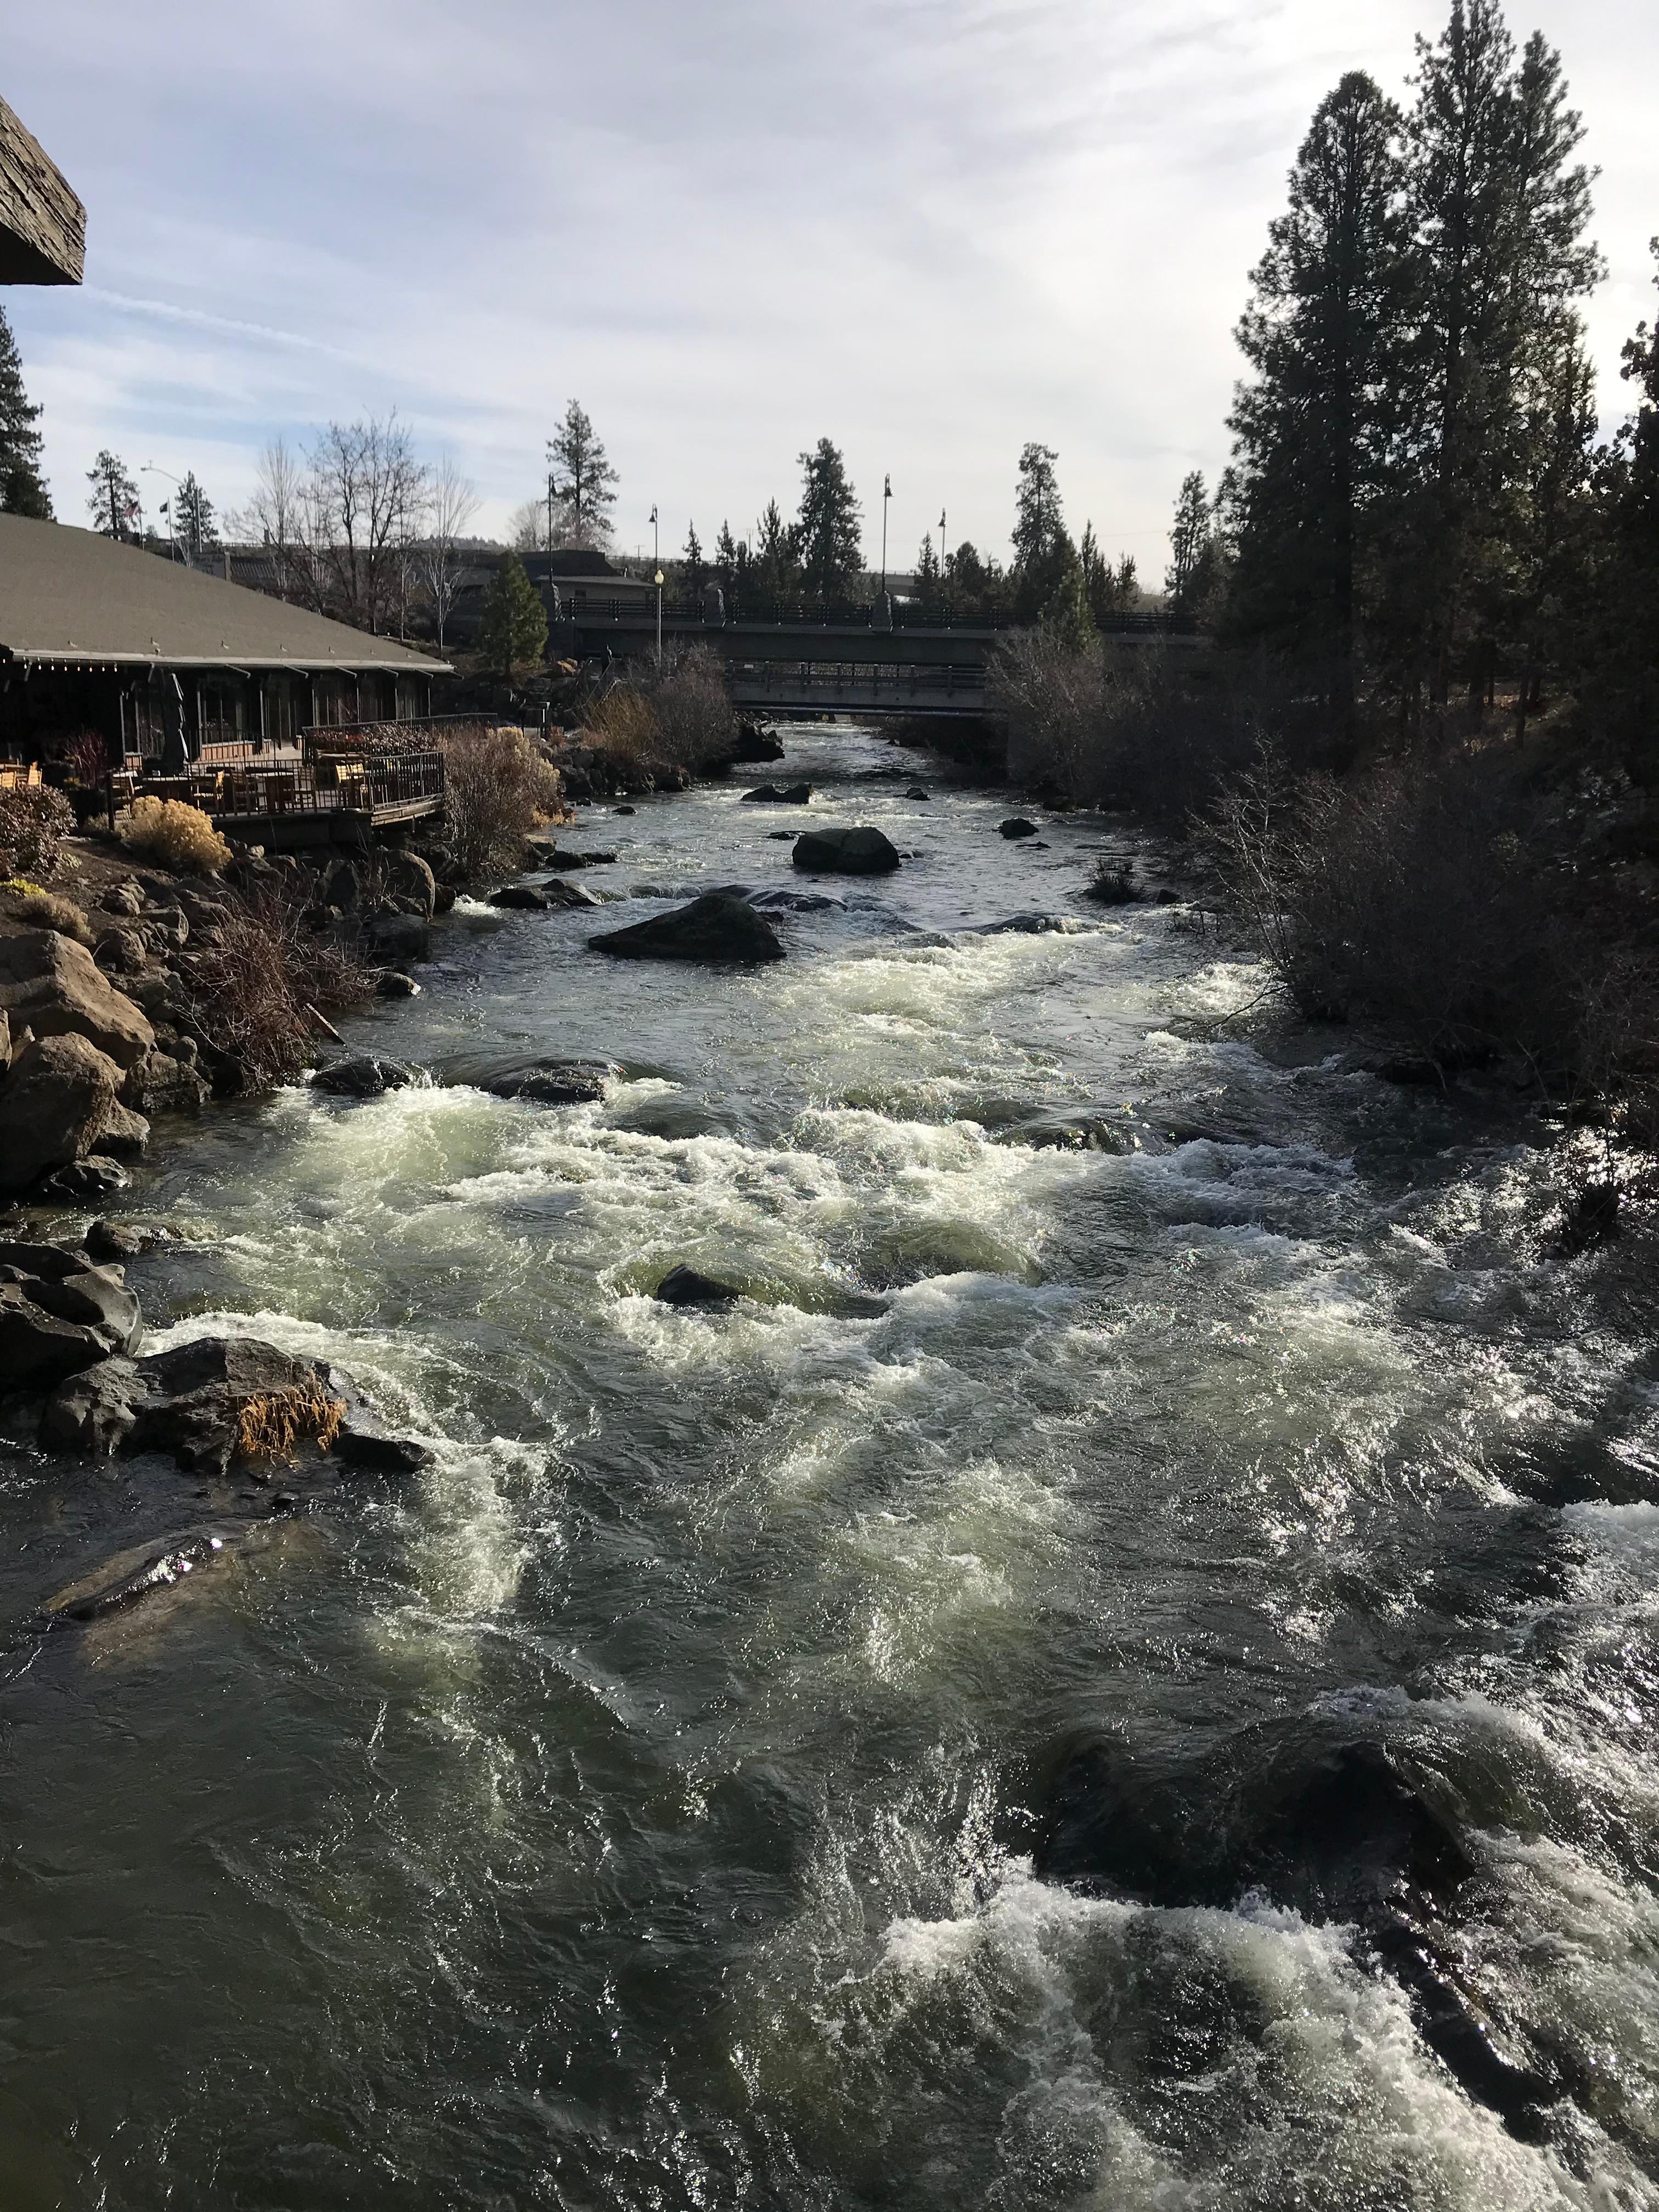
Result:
x=930 y=230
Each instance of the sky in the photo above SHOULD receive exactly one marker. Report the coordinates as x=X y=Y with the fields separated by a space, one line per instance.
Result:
x=927 y=229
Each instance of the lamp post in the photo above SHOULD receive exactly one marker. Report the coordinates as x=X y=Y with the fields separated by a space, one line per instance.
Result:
x=944 y=573
x=150 y=468
x=656 y=563
x=887 y=494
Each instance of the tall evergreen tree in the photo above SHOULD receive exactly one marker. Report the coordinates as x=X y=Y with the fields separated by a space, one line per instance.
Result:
x=696 y=570
x=1191 y=534
x=929 y=577
x=580 y=482
x=1618 y=648
x=23 y=488
x=1317 y=432
x=777 y=567
x=1042 y=551
x=1500 y=210
x=193 y=518
x=113 y=503
x=828 y=542
x=513 y=621
x=726 y=559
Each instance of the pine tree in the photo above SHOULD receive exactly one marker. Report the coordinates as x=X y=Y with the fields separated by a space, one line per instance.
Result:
x=580 y=482
x=1616 y=656
x=1065 y=615
x=1107 y=591
x=1500 y=212
x=776 y=568
x=828 y=543
x=726 y=560
x=928 y=574
x=1042 y=551
x=1318 y=432
x=113 y=504
x=1190 y=546
x=513 y=621
x=192 y=516
x=694 y=571
x=23 y=488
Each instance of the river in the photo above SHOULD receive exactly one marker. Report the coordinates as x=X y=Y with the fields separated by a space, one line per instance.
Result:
x=637 y=1809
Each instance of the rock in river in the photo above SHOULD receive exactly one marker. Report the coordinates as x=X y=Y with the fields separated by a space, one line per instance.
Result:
x=362 y=1077
x=716 y=927
x=53 y=986
x=555 y=1082
x=780 y=794
x=59 y=1314
x=845 y=852
x=684 y=1287
x=1016 y=826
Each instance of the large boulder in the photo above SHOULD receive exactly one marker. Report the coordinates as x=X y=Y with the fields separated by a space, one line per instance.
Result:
x=59 y=1314
x=846 y=853
x=55 y=986
x=779 y=794
x=409 y=877
x=754 y=744
x=56 y=1101
x=717 y=928
x=167 y=1081
x=684 y=1287
x=193 y=1401
x=400 y=936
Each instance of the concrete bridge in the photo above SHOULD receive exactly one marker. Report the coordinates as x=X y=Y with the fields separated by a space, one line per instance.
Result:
x=797 y=665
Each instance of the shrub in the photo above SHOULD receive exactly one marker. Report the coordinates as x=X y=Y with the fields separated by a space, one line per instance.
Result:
x=1159 y=732
x=174 y=836
x=249 y=989
x=498 y=787
x=1111 y=881
x=695 y=723
x=87 y=756
x=1412 y=893
x=35 y=820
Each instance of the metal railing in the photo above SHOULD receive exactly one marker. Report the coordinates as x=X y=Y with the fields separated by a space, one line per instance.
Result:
x=400 y=783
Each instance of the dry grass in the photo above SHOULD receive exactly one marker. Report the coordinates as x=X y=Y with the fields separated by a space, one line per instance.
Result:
x=269 y=1426
x=250 y=990
x=43 y=909
x=175 y=837
x=497 y=788
x=677 y=717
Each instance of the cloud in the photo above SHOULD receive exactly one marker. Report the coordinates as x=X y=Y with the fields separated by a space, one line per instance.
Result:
x=929 y=228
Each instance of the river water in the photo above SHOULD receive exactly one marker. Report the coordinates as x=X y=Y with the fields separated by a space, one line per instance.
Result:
x=637 y=1809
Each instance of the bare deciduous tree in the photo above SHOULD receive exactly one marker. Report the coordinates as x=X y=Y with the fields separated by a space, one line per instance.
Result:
x=451 y=502
x=363 y=501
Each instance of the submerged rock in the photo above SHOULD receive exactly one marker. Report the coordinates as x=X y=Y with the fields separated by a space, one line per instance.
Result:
x=555 y=1082
x=787 y=901
x=133 y=1576
x=1339 y=1831
x=402 y=936
x=684 y=1287
x=717 y=928
x=1085 y=1129
x=779 y=794
x=521 y=896
x=1036 y=925
x=394 y=984
x=362 y=1077
x=917 y=792
x=862 y=852
x=1016 y=826
x=549 y=854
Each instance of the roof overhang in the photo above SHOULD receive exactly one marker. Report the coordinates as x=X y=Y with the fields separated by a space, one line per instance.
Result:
x=42 y=225
x=243 y=664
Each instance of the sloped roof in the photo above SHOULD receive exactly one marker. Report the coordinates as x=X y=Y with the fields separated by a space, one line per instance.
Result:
x=43 y=226
x=70 y=595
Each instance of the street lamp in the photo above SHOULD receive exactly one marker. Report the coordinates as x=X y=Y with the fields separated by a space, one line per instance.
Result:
x=656 y=562
x=150 y=468
x=887 y=494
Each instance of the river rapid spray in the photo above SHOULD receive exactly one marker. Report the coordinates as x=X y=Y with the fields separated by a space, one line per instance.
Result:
x=637 y=1810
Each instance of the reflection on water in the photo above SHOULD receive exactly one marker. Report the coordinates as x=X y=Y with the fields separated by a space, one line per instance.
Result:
x=637 y=1811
